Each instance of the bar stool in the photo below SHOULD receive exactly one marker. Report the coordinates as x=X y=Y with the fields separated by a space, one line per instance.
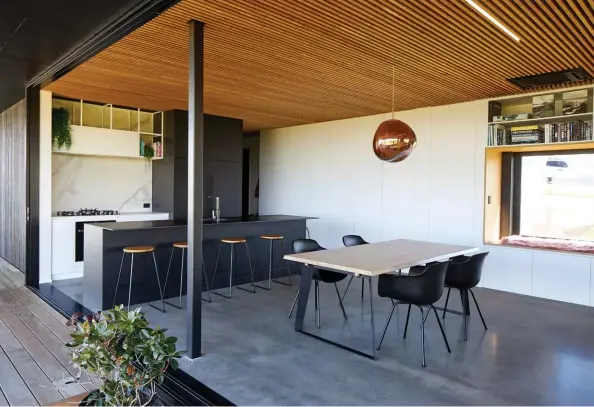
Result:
x=183 y=246
x=138 y=250
x=272 y=239
x=232 y=241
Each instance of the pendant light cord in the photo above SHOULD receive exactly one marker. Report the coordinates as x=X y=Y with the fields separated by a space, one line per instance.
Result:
x=392 y=91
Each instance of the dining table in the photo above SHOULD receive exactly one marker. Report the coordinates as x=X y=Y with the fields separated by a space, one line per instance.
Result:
x=367 y=261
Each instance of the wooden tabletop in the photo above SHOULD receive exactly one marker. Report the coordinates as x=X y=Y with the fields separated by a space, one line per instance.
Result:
x=379 y=258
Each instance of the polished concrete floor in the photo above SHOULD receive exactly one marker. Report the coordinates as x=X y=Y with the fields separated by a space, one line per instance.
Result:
x=535 y=352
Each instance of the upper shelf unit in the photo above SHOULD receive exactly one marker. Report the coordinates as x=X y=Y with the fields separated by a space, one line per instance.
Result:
x=545 y=118
x=107 y=130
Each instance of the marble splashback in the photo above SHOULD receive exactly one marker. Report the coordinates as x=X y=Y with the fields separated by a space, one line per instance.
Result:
x=100 y=182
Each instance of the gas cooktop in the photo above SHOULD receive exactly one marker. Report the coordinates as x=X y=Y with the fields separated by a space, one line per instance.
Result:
x=88 y=212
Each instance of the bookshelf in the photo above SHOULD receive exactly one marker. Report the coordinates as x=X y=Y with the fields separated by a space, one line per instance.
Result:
x=531 y=105
x=544 y=118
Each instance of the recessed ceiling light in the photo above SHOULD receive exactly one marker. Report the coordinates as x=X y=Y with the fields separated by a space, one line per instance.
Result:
x=493 y=20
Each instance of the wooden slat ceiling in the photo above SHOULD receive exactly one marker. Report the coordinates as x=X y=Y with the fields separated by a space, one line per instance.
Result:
x=278 y=63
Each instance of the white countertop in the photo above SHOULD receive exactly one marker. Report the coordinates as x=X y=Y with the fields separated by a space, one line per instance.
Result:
x=90 y=218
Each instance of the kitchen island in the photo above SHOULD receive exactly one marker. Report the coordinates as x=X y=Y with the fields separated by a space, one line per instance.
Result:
x=104 y=243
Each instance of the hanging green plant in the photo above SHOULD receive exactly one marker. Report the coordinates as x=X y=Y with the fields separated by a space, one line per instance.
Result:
x=61 y=130
x=148 y=153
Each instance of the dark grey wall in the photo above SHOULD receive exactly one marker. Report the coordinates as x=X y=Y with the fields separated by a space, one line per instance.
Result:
x=223 y=144
x=13 y=181
x=251 y=141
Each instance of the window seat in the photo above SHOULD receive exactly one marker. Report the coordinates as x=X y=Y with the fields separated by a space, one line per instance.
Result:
x=565 y=245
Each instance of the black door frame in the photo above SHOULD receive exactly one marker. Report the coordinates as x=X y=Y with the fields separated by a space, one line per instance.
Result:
x=182 y=387
x=141 y=13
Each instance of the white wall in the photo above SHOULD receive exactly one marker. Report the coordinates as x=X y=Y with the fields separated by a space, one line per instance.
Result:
x=113 y=183
x=329 y=170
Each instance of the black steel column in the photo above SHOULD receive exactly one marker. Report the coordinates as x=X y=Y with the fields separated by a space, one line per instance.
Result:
x=32 y=100
x=195 y=176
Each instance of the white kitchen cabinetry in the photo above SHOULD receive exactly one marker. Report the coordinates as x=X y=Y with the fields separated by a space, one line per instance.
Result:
x=64 y=264
x=96 y=141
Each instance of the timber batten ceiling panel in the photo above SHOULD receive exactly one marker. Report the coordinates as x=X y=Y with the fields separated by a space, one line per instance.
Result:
x=278 y=63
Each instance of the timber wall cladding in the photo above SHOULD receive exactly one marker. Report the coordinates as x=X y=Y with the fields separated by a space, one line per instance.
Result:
x=13 y=182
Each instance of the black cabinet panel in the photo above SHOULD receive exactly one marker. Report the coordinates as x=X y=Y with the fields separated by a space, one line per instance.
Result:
x=222 y=179
x=223 y=146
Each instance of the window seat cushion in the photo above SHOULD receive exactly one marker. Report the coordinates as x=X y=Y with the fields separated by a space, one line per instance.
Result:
x=580 y=246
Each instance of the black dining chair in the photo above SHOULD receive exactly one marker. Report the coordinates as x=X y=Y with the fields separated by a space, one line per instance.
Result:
x=423 y=287
x=464 y=273
x=348 y=241
x=325 y=276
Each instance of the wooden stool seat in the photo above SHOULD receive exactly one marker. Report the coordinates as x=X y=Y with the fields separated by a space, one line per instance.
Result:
x=181 y=245
x=271 y=237
x=139 y=249
x=233 y=240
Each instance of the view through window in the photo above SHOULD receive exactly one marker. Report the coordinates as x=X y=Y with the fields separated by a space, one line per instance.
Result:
x=557 y=196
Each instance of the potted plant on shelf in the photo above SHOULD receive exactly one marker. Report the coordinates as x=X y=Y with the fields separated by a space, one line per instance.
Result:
x=148 y=152
x=61 y=130
x=123 y=357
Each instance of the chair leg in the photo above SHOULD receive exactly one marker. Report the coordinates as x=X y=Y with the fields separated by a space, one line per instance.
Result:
x=181 y=279
x=406 y=325
x=317 y=302
x=256 y=266
x=340 y=301
x=206 y=282
x=423 y=335
x=362 y=288
x=288 y=265
x=394 y=304
x=347 y=287
x=445 y=308
x=294 y=303
x=159 y=283
x=130 y=285
x=215 y=274
x=270 y=259
x=253 y=283
x=464 y=316
x=478 y=309
x=167 y=275
x=118 y=282
x=441 y=329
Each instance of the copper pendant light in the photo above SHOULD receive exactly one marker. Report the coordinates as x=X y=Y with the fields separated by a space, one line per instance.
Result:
x=394 y=140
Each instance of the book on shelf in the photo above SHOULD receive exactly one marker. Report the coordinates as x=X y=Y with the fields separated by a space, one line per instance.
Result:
x=576 y=130
x=571 y=131
x=497 y=135
x=516 y=116
x=527 y=134
x=158 y=147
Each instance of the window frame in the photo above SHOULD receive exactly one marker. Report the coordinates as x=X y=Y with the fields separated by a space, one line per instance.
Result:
x=511 y=187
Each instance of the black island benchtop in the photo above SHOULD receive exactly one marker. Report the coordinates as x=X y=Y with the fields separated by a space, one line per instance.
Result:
x=104 y=243
x=172 y=223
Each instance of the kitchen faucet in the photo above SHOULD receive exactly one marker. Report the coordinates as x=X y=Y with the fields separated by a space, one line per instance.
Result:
x=216 y=212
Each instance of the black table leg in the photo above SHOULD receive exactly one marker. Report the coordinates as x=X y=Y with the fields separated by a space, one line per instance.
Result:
x=304 y=288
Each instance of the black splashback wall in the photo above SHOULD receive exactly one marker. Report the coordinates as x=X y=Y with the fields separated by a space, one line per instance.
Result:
x=223 y=144
x=13 y=129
